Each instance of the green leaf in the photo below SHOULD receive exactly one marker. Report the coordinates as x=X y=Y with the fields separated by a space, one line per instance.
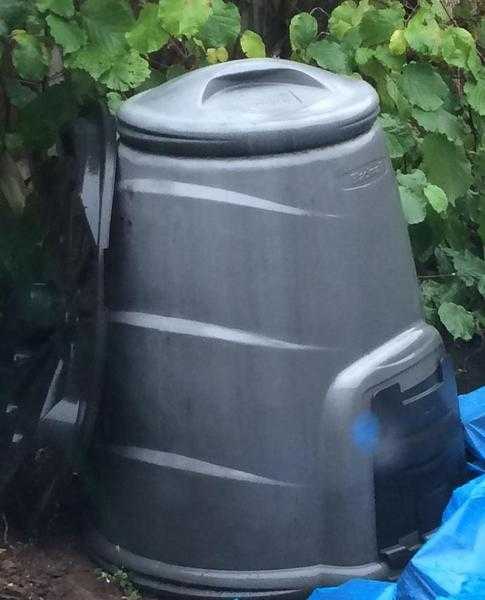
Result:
x=363 y=55
x=423 y=33
x=107 y=56
x=252 y=44
x=216 y=55
x=474 y=64
x=437 y=292
x=30 y=56
x=397 y=43
x=399 y=137
x=114 y=102
x=63 y=8
x=389 y=60
x=456 y=232
x=436 y=7
x=394 y=93
x=374 y=69
x=93 y=59
x=222 y=54
x=436 y=197
x=328 y=55
x=35 y=24
x=413 y=205
x=469 y=267
x=223 y=26
x=457 y=46
x=423 y=86
x=212 y=56
x=183 y=17
x=413 y=200
x=66 y=34
x=303 y=31
x=475 y=94
x=416 y=180
x=112 y=15
x=346 y=17
x=457 y=320
x=126 y=73
x=446 y=165
x=14 y=13
x=18 y=94
x=377 y=25
x=148 y=34
x=440 y=121
x=41 y=120
x=107 y=22
x=480 y=165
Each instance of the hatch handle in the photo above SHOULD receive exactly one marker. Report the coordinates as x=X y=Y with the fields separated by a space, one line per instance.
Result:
x=255 y=76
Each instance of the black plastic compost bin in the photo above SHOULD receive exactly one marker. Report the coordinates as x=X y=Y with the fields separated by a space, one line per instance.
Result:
x=275 y=415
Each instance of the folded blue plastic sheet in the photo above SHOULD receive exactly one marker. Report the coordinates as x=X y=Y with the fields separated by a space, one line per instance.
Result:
x=472 y=412
x=451 y=565
x=357 y=589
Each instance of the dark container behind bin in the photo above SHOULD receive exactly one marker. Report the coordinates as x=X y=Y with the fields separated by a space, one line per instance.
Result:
x=276 y=413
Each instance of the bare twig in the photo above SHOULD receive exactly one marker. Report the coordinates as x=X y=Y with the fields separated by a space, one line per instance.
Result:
x=47 y=79
x=319 y=9
x=446 y=8
x=444 y=275
x=449 y=14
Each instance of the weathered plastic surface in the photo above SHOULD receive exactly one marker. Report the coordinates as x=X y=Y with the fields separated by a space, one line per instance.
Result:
x=261 y=308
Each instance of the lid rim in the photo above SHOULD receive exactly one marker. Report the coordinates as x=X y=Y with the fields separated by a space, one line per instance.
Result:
x=247 y=107
x=234 y=147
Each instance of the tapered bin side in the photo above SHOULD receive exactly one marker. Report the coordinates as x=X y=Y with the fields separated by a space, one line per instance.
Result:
x=259 y=304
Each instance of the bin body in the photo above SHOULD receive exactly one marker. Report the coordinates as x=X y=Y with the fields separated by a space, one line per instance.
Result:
x=276 y=413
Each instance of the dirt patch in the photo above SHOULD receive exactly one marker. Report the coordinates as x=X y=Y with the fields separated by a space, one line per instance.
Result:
x=53 y=570
x=43 y=558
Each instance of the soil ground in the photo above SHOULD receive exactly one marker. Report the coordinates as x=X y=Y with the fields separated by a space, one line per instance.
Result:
x=54 y=569
x=54 y=566
x=43 y=558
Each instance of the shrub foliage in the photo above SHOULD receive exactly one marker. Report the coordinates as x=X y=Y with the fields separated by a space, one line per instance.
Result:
x=425 y=59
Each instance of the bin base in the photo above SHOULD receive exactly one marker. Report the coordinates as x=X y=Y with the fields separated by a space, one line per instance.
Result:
x=173 y=581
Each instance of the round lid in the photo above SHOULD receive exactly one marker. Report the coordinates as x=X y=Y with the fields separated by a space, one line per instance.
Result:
x=247 y=107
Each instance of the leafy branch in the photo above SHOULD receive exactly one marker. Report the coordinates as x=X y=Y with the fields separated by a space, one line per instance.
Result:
x=425 y=58
x=426 y=63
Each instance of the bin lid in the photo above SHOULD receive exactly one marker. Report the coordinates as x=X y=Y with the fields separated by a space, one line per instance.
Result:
x=247 y=107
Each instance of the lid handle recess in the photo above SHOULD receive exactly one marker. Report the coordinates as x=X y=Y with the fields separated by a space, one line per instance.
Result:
x=257 y=76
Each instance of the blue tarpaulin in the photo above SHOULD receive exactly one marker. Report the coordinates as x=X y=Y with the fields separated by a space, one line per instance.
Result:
x=451 y=565
x=358 y=589
x=472 y=412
